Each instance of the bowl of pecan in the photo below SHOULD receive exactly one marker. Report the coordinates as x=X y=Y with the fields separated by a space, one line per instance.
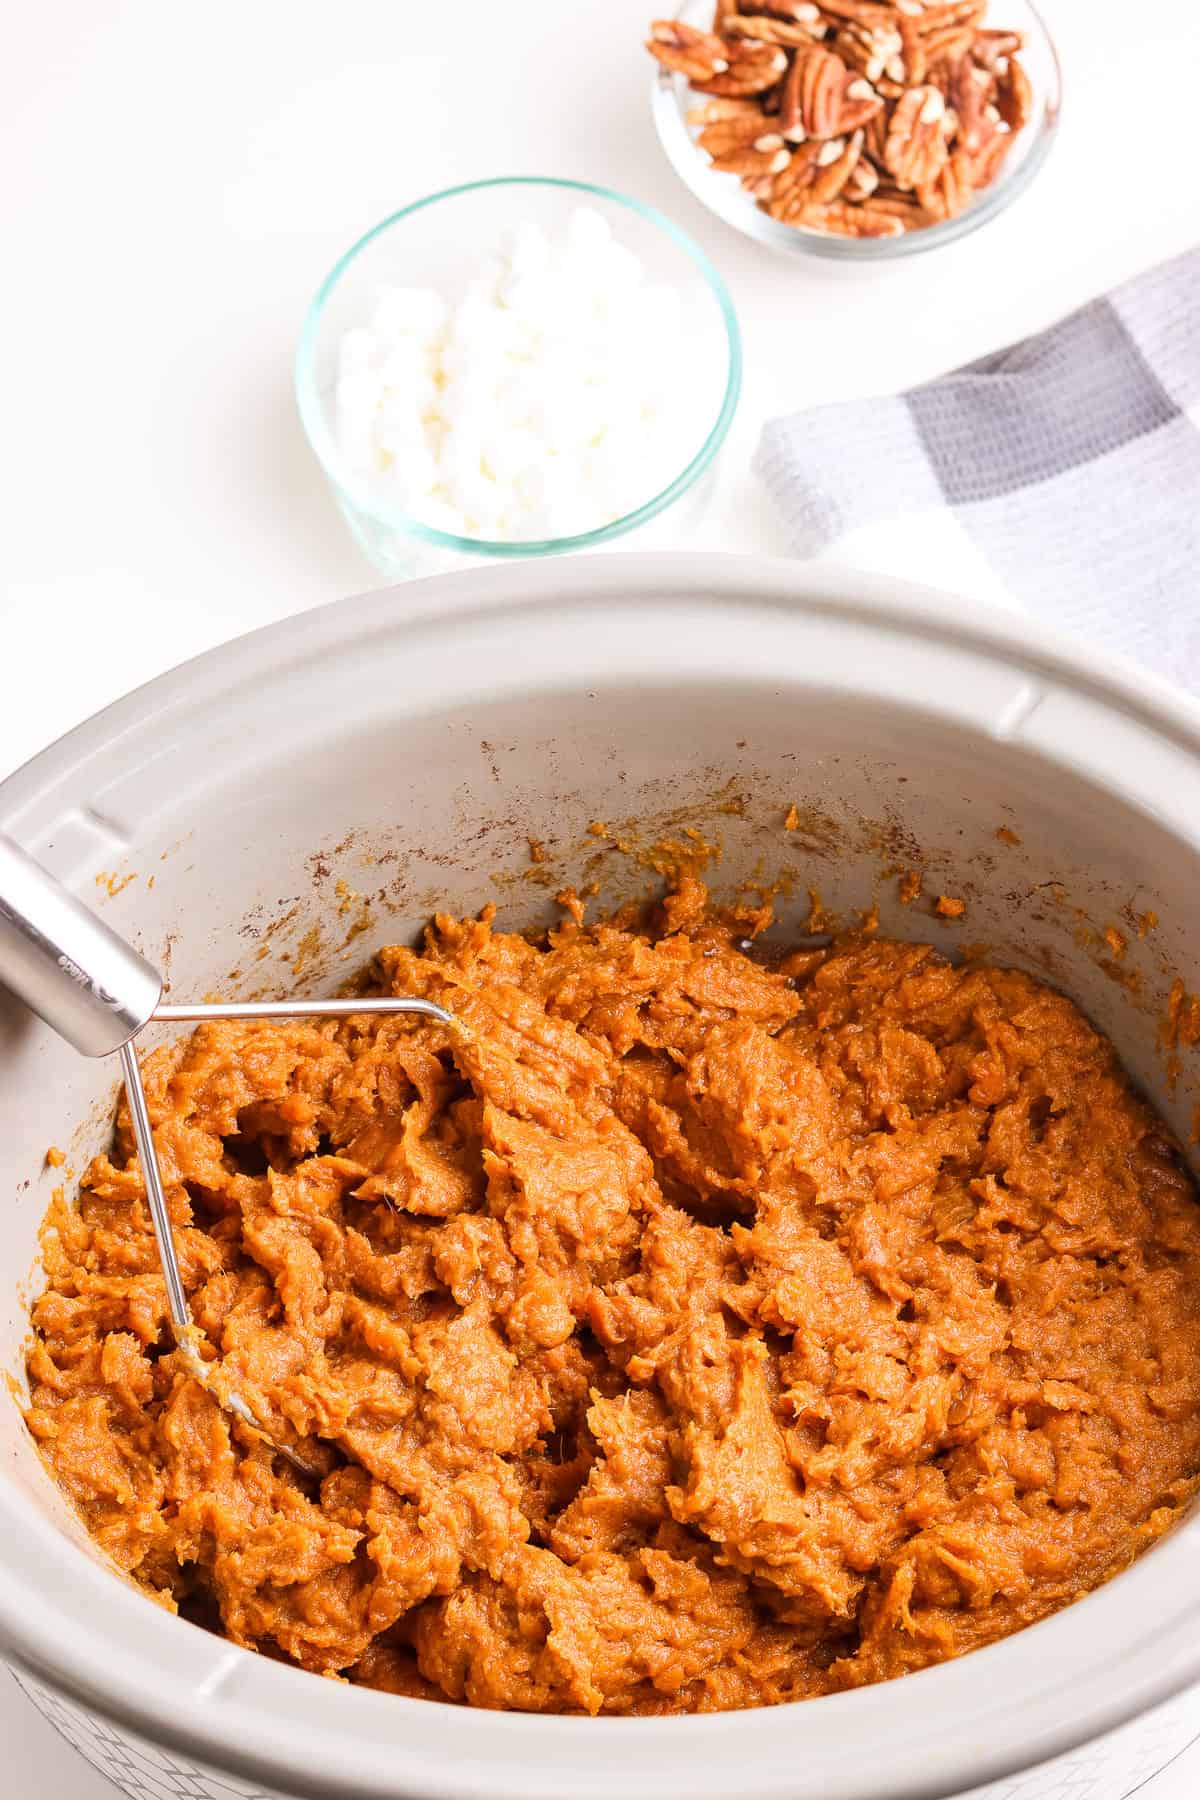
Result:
x=855 y=128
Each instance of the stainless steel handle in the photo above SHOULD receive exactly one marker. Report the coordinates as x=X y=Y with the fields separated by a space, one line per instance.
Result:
x=67 y=965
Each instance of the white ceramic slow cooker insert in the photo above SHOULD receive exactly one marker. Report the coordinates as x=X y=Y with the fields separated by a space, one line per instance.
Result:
x=395 y=753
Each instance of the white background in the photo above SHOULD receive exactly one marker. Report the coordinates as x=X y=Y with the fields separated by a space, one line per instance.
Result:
x=176 y=181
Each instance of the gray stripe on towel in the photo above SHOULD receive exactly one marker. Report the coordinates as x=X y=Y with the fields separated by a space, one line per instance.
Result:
x=1025 y=415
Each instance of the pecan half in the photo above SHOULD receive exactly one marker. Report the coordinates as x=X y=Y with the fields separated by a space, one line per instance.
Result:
x=768 y=31
x=767 y=156
x=916 y=146
x=852 y=221
x=759 y=185
x=699 y=55
x=864 y=12
x=790 y=190
x=750 y=69
x=876 y=134
x=992 y=48
x=913 y=64
x=822 y=98
x=867 y=48
x=1014 y=96
x=794 y=12
x=719 y=136
x=864 y=179
x=952 y=42
x=860 y=103
x=947 y=194
x=710 y=112
x=968 y=90
x=987 y=163
x=812 y=95
x=905 y=208
x=833 y=172
x=957 y=13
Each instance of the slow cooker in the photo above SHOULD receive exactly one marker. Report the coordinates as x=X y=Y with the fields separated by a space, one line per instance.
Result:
x=402 y=749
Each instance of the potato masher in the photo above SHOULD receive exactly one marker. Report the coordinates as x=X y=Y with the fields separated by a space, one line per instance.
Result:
x=98 y=993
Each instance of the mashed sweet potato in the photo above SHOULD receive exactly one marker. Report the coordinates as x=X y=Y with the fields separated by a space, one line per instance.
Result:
x=703 y=1331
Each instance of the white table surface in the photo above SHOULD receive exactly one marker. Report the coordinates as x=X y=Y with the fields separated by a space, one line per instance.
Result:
x=177 y=180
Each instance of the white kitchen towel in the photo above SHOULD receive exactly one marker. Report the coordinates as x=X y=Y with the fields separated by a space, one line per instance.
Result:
x=1070 y=460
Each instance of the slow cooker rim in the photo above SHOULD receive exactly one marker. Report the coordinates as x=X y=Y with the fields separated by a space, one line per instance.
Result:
x=931 y=613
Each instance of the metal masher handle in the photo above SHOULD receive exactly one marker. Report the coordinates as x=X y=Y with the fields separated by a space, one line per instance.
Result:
x=67 y=965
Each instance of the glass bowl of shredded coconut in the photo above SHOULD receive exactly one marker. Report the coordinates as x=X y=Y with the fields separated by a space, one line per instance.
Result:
x=517 y=367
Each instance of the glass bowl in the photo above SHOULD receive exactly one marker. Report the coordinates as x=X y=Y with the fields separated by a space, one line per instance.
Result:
x=440 y=242
x=672 y=99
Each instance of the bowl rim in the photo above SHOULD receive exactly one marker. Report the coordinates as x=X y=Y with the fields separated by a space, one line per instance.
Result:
x=1075 y=1675
x=324 y=445
x=740 y=212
